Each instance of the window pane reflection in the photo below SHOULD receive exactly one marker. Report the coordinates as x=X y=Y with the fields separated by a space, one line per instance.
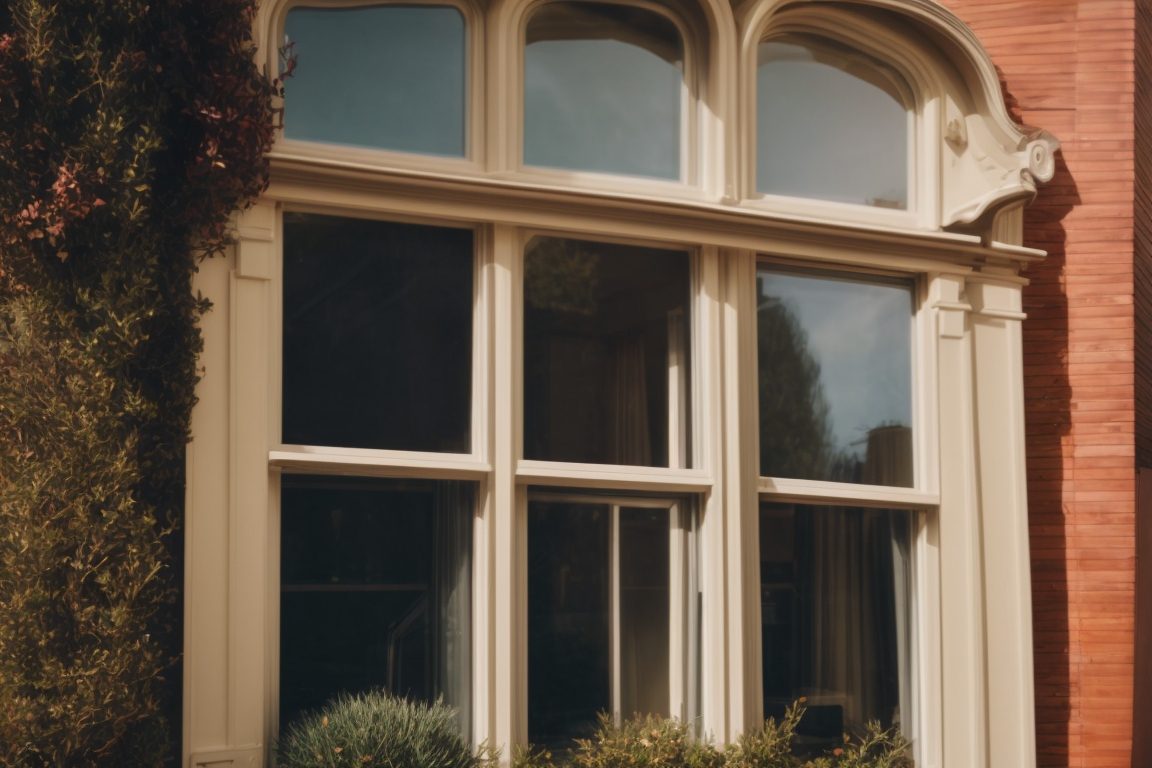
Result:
x=835 y=591
x=602 y=90
x=377 y=334
x=606 y=348
x=835 y=362
x=391 y=77
x=375 y=591
x=830 y=125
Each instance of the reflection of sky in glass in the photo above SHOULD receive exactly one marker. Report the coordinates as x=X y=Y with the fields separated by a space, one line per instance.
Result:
x=390 y=77
x=861 y=336
x=827 y=134
x=597 y=103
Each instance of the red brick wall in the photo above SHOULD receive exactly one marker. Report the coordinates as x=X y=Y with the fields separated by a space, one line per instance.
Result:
x=1068 y=67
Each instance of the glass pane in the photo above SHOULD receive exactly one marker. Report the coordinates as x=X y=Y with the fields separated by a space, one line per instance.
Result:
x=375 y=591
x=569 y=599
x=390 y=77
x=602 y=90
x=830 y=125
x=377 y=334
x=605 y=353
x=598 y=615
x=835 y=586
x=835 y=384
x=644 y=605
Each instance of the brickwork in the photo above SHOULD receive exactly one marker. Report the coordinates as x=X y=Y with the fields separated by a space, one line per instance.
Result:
x=1068 y=66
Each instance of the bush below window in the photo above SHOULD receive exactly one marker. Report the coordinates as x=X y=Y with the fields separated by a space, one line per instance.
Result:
x=653 y=742
x=378 y=730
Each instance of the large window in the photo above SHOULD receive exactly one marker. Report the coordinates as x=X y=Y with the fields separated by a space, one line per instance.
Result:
x=651 y=356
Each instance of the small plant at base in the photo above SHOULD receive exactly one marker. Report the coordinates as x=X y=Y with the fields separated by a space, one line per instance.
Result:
x=644 y=741
x=877 y=748
x=770 y=746
x=378 y=730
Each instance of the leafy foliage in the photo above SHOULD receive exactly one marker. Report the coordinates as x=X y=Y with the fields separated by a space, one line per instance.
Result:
x=130 y=131
x=378 y=730
x=652 y=742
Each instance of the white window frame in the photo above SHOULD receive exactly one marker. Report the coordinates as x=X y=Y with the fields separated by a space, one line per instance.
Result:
x=959 y=241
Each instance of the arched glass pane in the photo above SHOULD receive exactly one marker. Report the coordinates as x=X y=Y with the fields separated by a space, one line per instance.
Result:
x=602 y=90
x=830 y=126
x=388 y=77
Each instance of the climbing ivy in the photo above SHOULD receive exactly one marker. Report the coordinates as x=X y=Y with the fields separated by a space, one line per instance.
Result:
x=130 y=132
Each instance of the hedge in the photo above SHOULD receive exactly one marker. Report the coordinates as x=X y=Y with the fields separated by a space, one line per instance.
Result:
x=130 y=132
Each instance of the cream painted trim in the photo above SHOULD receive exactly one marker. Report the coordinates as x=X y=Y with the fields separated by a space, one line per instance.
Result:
x=312 y=460
x=815 y=491
x=306 y=182
x=611 y=477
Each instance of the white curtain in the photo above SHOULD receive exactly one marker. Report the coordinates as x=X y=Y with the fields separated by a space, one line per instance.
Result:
x=452 y=598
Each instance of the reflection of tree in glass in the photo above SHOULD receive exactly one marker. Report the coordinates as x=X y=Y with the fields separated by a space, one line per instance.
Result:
x=795 y=431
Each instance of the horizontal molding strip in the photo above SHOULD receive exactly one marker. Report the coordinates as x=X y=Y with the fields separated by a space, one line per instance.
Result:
x=783 y=489
x=309 y=181
x=369 y=463
x=607 y=476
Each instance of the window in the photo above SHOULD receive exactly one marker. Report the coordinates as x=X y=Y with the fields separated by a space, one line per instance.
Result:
x=606 y=330
x=655 y=356
x=603 y=89
x=834 y=355
x=608 y=612
x=386 y=76
x=375 y=591
x=831 y=124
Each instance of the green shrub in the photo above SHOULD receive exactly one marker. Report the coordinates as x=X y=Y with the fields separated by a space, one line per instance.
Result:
x=655 y=742
x=644 y=741
x=769 y=746
x=378 y=730
x=130 y=132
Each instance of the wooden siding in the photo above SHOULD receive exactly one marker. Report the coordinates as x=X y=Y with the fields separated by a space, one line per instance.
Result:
x=1068 y=66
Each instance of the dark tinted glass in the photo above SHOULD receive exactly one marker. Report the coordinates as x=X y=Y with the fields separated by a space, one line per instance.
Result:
x=377 y=334
x=605 y=332
x=835 y=586
x=569 y=599
x=375 y=590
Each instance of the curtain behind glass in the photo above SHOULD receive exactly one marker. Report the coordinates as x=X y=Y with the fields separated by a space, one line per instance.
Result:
x=452 y=596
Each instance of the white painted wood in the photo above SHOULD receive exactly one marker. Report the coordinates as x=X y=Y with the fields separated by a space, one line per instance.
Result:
x=1007 y=574
x=962 y=619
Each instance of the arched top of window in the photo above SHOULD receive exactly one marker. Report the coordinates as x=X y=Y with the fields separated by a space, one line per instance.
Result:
x=831 y=124
x=388 y=77
x=890 y=74
x=604 y=90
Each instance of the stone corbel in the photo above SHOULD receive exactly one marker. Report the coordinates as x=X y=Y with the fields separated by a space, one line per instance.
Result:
x=1008 y=175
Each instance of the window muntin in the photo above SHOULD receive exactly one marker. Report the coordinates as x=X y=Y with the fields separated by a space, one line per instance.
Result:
x=377 y=334
x=834 y=355
x=606 y=353
x=831 y=124
x=837 y=617
x=380 y=76
x=375 y=590
x=609 y=585
x=603 y=90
